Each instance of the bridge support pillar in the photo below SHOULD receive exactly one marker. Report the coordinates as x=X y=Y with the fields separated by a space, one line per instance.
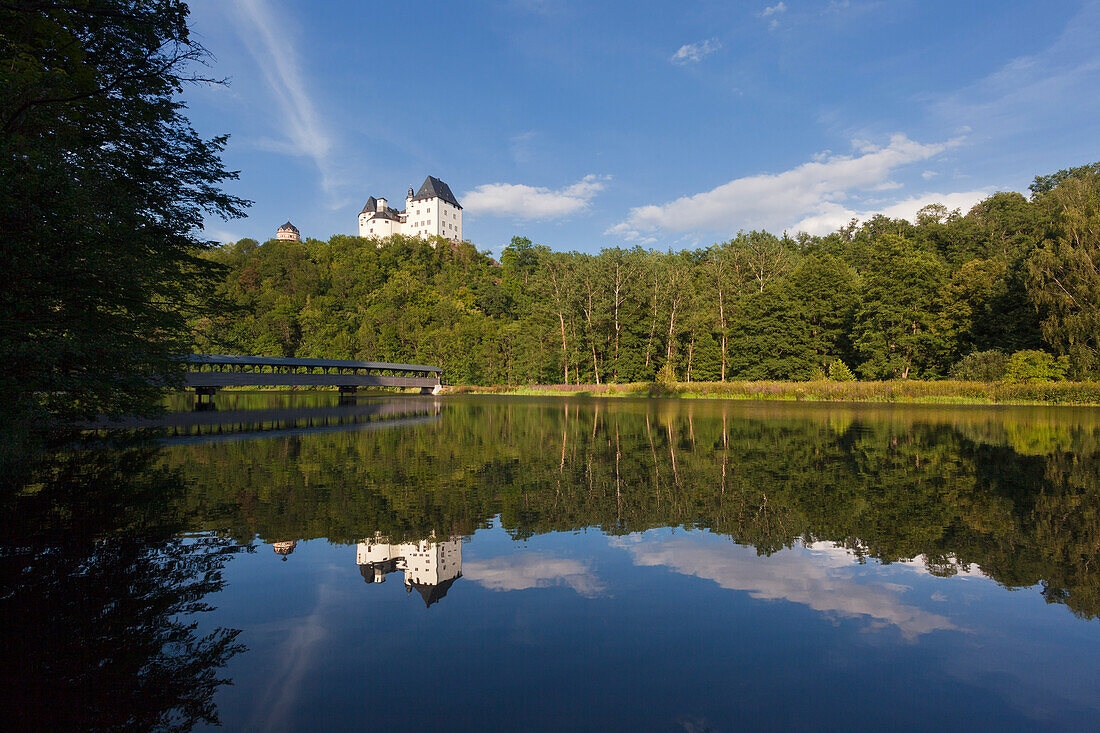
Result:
x=204 y=399
x=347 y=395
x=432 y=390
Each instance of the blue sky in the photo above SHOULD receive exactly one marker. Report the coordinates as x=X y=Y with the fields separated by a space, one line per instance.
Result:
x=588 y=125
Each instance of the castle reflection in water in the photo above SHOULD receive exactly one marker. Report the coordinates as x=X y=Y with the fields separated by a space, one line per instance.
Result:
x=429 y=566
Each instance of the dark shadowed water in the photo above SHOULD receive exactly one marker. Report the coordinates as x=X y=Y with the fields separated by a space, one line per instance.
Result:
x=475 y=563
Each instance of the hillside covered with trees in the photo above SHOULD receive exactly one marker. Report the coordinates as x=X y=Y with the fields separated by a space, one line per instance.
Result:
x=954 y=294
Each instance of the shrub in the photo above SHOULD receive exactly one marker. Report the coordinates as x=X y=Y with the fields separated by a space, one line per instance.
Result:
x=1025 y=367
x=839 y=372
x=981 y=366
x=665 y=376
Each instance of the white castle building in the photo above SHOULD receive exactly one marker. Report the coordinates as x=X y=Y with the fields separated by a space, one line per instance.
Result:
x=429 y=566
x=433 y=211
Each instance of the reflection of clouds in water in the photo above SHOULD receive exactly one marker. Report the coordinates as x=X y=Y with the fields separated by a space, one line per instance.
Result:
x=296 y=658
x=920 y=564
x=533 y=570
x=813 y=579
x=838 y=556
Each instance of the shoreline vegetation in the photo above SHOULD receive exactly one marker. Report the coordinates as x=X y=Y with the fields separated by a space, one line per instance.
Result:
x=1080 y=394
x=940 y=392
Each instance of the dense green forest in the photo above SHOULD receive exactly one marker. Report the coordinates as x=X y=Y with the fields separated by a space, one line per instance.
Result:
x=104 y=186
x=1016 y=494
x=953 y=294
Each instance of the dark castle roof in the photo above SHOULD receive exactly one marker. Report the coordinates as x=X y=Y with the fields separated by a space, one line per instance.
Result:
x=288 y=227
x=432 y=593
x=371 y=207
x=386 y=566
x=388 y=214
x=435 y=188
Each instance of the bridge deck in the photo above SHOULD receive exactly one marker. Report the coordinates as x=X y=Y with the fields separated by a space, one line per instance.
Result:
x=211 y=372
x=258 y=362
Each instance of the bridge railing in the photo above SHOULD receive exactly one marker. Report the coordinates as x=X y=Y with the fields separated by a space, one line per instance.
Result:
x=207 y=373
x=292 y=365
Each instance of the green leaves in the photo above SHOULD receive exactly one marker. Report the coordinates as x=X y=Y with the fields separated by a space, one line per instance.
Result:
x=888 y=298
x=1034 y=366
x=900 y=330
x=103 y=189
x=1064 y=271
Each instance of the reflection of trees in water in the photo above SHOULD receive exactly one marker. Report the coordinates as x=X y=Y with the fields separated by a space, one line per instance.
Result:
x=1016 y=492
x=99 y=592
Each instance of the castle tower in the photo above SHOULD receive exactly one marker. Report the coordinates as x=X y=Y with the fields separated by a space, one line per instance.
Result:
x=432 y=211
x=289 y=233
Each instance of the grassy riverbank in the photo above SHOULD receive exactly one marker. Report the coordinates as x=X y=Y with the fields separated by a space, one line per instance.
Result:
x=903 y=391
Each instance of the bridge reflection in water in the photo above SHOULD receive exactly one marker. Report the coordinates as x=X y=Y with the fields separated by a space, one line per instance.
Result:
x=205 y=427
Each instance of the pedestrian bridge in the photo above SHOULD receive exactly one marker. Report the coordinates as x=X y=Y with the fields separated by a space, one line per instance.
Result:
x=207 y=373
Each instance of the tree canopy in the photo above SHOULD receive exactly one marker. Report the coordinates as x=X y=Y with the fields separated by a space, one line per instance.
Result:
x=886 y=299
x=103 y=189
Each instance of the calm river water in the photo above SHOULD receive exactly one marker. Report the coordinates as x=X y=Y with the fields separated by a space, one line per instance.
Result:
x=472 y=563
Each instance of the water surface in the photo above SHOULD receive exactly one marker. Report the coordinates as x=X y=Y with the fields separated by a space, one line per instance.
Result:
x=540 y=564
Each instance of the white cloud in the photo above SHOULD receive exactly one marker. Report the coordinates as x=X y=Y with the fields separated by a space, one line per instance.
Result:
x=929 y=174
x=776 y=200
x=533 y=202
x=222 y=235
x=773 y=12
x=833 y=216
x=533 y=570
x=816 y=578
x=694 y=52
x=265 y=35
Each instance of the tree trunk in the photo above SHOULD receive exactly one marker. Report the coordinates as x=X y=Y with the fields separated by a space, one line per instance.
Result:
x=691 y=353
x=564 y=348
x=675 y=303
x=617 y=303
x=652 y=323
x=591 y=327
x=722 y=324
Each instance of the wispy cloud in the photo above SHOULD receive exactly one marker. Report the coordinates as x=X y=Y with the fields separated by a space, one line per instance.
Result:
x=819 y=578
x=533 y=202
x=521 y=146
x=776 y=200
x=693 y=53
x=772 y=12
x=265 y=35
x=1033 y=92
x=533 y=570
